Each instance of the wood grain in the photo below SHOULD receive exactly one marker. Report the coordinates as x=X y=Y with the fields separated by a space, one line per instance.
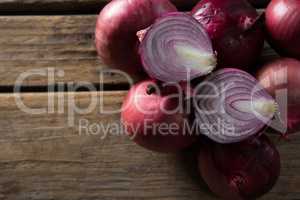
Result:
x=67 y=6
x=42 y=158
x=61 y=43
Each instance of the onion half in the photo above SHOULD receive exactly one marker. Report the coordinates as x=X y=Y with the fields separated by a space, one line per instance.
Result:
x=231 y=106
x=177 y=48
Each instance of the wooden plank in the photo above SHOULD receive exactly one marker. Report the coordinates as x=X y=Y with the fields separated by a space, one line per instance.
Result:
x=62 y=43
x=42 y=157
x=59 y=43
x=67 y=6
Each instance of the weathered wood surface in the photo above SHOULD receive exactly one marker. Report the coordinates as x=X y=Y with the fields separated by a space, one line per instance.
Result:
x=64 y=43
x=67 y=6
x=43 y=158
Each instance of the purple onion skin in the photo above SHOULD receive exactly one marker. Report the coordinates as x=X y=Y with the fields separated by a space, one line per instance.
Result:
x=143 y=113
x=239 y=171
x=271 y=77
x=116 y=29
x=232 y=27
x=283 y=27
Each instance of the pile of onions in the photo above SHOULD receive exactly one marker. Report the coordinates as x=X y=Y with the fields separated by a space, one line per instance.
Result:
x=177 y=48
x=234 y=28
x=243 y=170
x=281 y=78
x=231 y=106
x=116 y=29
x=154 y=118
x=283 y=26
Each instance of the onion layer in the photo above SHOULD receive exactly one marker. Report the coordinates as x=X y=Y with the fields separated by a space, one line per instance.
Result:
x=245 y=170
x=231 y=106
x=281 y=78
x=233 y=27
x=177 y=48
x=283 y=26
x=116 y=29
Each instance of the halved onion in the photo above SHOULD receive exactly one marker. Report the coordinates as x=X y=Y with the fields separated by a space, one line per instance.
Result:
x=230 y=106
x=177 y=48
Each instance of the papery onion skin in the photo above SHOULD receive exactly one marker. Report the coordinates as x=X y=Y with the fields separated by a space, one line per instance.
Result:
x=232 y=25
x=283 y=27
x=231 y=106
x=279 y=75
x=177 y=48
x=143 y=117
x=245 y=170
x=116 y=29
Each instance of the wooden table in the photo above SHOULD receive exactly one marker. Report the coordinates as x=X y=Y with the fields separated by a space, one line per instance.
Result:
x=42 y=157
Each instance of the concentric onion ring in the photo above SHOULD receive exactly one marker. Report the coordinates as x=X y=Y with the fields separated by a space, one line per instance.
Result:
x=232 y=106
x=177 y=48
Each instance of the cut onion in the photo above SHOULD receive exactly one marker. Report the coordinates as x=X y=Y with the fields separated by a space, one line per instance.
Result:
x=177 y=48
x=230 y=106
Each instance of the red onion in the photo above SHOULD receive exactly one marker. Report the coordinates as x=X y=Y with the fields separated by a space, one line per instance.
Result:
x=245 y=170
x=283 y=26
x=116 y=28
x=154 y=116
x=231 y=106
x=177 y=48
x=281 y=78
x=233 y=26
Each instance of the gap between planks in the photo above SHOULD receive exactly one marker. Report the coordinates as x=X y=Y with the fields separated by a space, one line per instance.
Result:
x=55 y=44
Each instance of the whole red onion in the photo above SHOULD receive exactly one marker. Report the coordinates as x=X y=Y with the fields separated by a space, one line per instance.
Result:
x=245 y=170
x=283 y=26
x=233 y=26
x=116 y=29
x=154 y=116
x=281 y=77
